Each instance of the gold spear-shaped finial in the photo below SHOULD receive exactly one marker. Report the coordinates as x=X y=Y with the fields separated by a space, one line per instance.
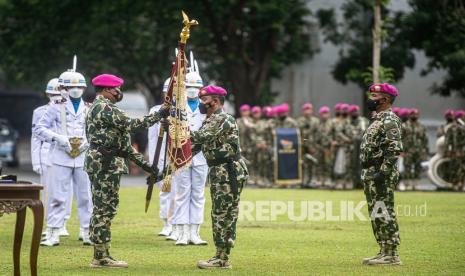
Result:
x=187 y=24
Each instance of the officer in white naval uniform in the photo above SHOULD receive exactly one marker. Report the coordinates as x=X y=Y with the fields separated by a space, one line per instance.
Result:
x=40 y=149
x=166 y=200
x=66 y=171
x=189 y=184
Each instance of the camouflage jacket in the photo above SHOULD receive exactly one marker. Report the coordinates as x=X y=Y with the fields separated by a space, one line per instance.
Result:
x=417 y=140
x=455 y=140
x=359 y=125
x=109 y=127
x=245 y=126
x=342 y=131
x=382 y=143
x=324 y=136
x=258 y=133
x=218 y=138
x=308 y=128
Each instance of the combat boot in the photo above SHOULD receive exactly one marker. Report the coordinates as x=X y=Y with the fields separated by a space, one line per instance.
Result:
x=214 y=262
x=380 y=253
x=389 y=257
x=53 y=239
x=174 y=234
x=184 y=235
x=194 y=235
x=166 y=231
x=103 y=259
x=385 y=260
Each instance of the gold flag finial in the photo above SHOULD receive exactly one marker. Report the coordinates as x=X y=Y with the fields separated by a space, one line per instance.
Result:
x=187 y=24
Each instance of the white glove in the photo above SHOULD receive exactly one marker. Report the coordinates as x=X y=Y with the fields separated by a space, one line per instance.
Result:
x=63 y=142
x=37 y=169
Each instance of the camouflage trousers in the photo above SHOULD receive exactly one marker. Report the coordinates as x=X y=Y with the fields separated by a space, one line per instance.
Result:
x=225 y=211
x=457 y=170
x=380 y=201
x=412 y=165
x=259 y=166
x=105 y=188
x=325 y=163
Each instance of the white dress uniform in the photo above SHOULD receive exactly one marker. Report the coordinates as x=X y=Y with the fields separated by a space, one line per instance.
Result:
x=189 y=184
x=166 y=201
x=66 y=173
x=40 y=157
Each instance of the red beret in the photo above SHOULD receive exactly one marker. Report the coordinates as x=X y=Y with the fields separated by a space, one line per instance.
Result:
x=212 y=90
x=384 y=88
x=107 y=80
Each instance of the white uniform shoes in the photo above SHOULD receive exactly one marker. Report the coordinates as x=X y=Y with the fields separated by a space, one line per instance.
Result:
x=52 y=238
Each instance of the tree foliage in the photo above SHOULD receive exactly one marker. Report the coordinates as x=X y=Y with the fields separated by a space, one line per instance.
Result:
x=354 y=36
x=438 y=28
x=239 y=44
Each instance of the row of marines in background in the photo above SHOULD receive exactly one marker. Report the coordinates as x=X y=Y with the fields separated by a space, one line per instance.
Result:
x=330 y=145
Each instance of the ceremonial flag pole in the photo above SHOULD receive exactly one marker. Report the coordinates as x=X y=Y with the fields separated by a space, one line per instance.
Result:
x=178 y=142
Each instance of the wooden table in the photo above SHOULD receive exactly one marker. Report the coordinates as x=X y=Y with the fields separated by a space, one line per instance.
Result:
x=15 y=198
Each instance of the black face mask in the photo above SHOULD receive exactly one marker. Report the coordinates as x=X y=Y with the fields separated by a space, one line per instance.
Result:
x=338 y=114
x=372 y=104
x=282 y=118
x=354 y=117
x=414 y=119
x=449 y=120
x=118 y=96
x=404 y=119
x=203 y=108
x=344 y=115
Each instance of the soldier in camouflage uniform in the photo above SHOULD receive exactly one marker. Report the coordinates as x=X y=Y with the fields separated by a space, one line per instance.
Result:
x=342 y=141
x=218 y=139
x=323 y=140
x=455 y=150
x=416 y=148
x=260 y=147
x=359 y=124
x=380 y=148
x=245 y=127
x=449 y=117
x=308 y=125
x=108 y=131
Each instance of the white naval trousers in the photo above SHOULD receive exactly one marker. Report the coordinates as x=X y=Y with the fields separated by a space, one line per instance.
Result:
x=188 y=190
x=62 y=182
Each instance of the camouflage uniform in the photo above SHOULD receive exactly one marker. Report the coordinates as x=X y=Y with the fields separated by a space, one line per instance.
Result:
x=416 y=149
x=323 y=139
x=308 y=128
x=342 y=138
x=245 y=126
x=455 y=150
x=218 y=139
x=108 y=132
x=359 y=126
x=380 y=147
x=258 y=136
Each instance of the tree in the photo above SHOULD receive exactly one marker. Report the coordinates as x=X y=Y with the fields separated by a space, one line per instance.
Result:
x=355 y=37
x=438 y=28
x=239 y=44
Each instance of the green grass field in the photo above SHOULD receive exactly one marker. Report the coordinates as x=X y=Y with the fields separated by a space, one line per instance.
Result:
x=431 y=244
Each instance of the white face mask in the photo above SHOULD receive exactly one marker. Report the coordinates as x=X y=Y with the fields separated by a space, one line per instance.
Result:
x=192 y=92
x=55 y=98
x=75 y=92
